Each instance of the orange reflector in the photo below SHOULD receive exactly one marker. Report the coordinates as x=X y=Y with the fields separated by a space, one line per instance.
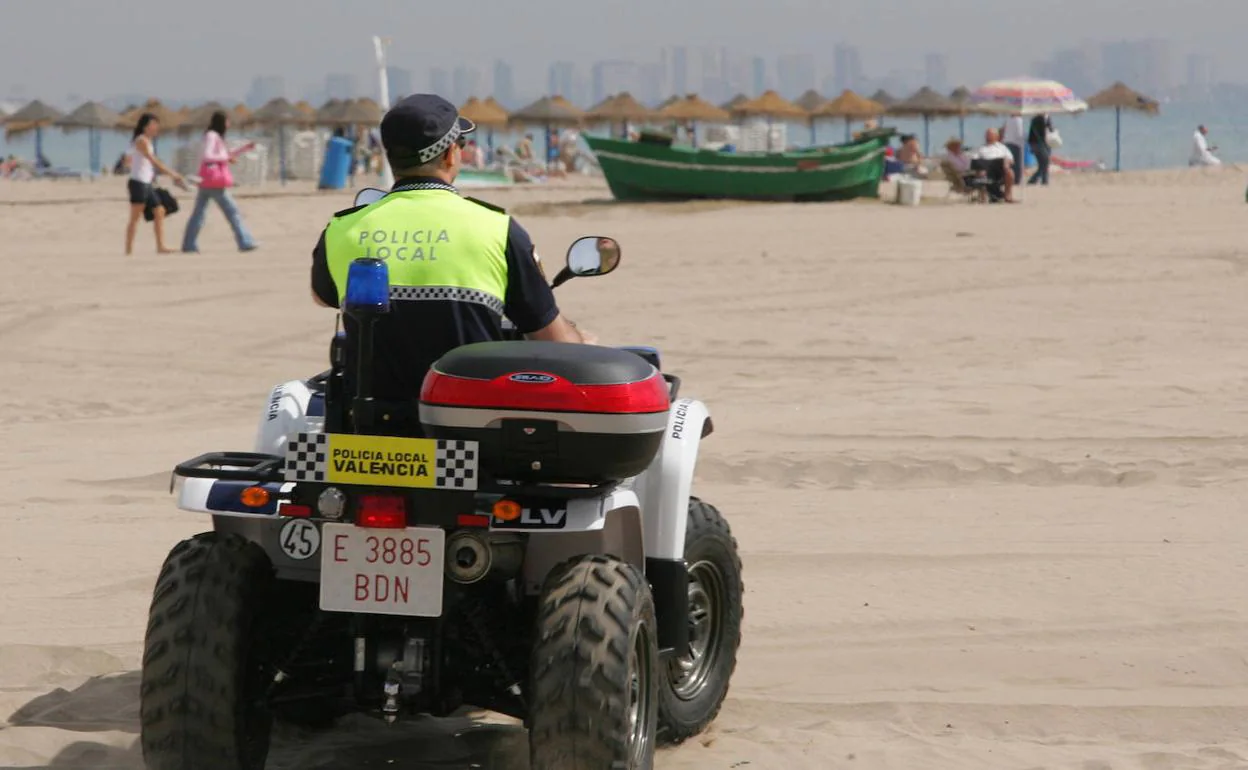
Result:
x=507 y=510
x=254 y=497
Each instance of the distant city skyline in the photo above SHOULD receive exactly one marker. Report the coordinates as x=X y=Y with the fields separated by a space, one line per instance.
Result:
x=179 y=52
x=719 y=73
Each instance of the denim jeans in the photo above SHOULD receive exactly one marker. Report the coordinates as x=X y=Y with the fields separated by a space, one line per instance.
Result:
x=1041 y=151
x=228 y=206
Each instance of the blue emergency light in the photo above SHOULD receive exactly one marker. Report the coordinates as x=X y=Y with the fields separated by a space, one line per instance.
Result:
x=368 y=287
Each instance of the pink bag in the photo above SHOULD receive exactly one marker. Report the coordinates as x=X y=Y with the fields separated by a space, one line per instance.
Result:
x=215 y=175
x=214 y=170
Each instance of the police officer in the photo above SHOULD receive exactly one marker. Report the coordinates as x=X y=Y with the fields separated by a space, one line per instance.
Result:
x=456 y=265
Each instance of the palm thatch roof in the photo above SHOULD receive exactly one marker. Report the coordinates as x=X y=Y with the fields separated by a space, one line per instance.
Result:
x=771 y=105
x=734 y=102
x=619 y=108
x=925 y=103
x=810 y=101
x=90 y=115
x=484 y=113
x=278 y=112
x=884 y=97
x=169 y=119
x=850 y=105
x=694 y=108
x=1119 y=96
x=549 y=110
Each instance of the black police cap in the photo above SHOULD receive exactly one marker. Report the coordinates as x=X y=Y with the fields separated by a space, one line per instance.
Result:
x=419 y=128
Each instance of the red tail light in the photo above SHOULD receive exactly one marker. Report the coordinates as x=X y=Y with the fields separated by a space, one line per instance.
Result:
x=473 y=520
x=381 y=512
x=290 y=509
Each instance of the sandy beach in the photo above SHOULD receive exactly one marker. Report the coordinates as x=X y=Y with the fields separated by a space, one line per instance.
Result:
x=985 y=463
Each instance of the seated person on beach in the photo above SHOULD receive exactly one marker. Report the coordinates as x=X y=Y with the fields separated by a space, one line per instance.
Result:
x=995 y=150
x=1202 y=152
x=524 y=148
x=957 y=157
x=910 y=156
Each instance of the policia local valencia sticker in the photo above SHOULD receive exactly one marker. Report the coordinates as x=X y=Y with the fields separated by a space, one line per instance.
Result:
x=339 y=458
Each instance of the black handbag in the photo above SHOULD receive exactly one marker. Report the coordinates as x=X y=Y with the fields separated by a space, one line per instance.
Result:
x=160 y=197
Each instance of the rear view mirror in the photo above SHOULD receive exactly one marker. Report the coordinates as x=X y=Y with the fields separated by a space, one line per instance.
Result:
x=369 y=195
x=593 y=255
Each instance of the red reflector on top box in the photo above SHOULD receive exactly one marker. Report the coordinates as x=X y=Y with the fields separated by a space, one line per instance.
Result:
x=549 y=411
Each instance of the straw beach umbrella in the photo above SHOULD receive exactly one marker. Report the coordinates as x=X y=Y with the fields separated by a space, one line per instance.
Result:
x=772 y=106
x=200 y=117
x=927 y=104
x=169 y=119
x=278 y=114
x=240 y=116
x=35 y=116
x=961 y=96
x=850 y=106
x=884 y=98
x=1119 y=97
x=735 y=102
x=622 y=109
x=548 y=112
x=692 y=110
x=485 y=114
x=94 y=117
x=811 y=101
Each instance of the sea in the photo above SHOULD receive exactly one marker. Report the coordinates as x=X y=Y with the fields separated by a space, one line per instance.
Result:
x=1162 y=141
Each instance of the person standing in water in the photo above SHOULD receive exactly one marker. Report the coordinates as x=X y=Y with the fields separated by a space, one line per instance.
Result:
x=143 y=167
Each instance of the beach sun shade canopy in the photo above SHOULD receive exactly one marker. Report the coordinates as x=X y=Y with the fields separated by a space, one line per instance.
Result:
x=91 y=115
x=810 y=101
x=484 y=113
x=850 y=105
x=548 y=111
x=735 y=102
x=884 y=97
x=169 y=119
x=771 y=105
x=925 y=103
x=202 y=115
x=619 y=108
x=32 y=116
x=692 y=107
x=355 y=112
x=278 y=112
x=1119 y=96
x=1025 y=96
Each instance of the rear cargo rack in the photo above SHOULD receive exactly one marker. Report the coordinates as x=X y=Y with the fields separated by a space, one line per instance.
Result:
x=231 y=466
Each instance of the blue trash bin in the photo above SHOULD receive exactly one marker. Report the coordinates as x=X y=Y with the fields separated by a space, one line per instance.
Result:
x=336 y=167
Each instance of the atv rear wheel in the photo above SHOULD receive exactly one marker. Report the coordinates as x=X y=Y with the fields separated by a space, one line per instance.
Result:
x=696 y=681
x=201 y=704
x=595 y=675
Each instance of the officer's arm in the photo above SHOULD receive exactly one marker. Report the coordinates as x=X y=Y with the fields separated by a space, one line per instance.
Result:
x=530 y=304
x=324 y=293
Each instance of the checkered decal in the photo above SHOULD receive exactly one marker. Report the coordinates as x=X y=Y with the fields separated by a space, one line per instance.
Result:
x=456 y=465
x=450 y=293
x=305 y=457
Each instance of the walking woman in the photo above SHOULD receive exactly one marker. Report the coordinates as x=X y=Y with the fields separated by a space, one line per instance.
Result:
x=143 y=167
x=215 y=183
x=1038 y=139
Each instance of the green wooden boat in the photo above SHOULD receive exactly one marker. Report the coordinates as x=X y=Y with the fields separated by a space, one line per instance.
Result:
x=650 y=170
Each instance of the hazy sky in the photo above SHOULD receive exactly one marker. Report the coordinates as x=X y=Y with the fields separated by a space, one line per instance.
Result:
x=99 y=48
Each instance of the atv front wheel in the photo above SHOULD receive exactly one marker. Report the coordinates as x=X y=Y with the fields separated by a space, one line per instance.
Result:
x=201 y=705
x=595 y=670
x=696 y=680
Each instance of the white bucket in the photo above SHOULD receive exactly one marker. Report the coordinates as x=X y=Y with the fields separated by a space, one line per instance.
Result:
x=909 y=191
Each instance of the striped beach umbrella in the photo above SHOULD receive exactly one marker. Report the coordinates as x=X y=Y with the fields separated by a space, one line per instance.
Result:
x=1025 y=96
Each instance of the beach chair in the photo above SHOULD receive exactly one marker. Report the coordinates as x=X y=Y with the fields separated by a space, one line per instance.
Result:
x=994 y=177
x=972 y=188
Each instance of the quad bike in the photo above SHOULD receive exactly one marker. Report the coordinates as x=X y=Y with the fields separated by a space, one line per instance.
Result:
x=532 y=549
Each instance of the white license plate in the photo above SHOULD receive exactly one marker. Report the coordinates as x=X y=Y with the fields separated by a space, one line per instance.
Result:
x=383 y=571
